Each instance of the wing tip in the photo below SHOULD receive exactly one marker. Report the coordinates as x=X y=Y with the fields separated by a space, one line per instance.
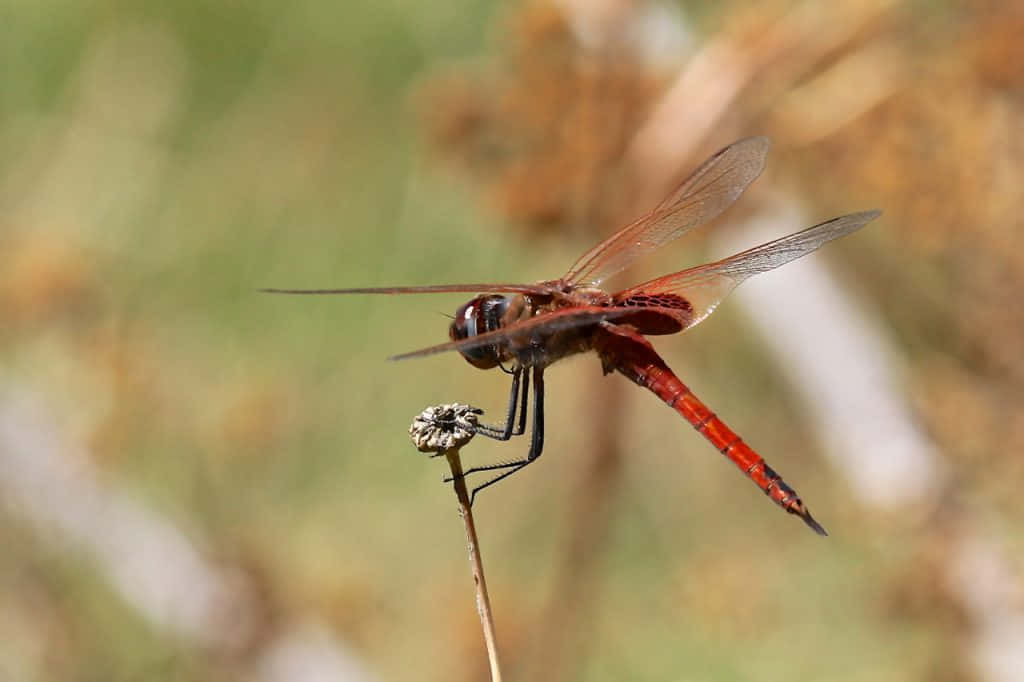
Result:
x=759 y=141
x=855 y=221
x=761 y=144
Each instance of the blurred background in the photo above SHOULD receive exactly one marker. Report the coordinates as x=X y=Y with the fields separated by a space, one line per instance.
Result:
x=201 y=482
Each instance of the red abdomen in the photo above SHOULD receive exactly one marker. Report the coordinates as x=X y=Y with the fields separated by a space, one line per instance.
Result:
x=638 y=361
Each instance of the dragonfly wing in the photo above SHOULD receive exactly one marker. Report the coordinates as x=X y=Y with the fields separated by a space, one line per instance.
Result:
x=527 y=330
x=704 y=195
x=705 y=286
x=537 y=289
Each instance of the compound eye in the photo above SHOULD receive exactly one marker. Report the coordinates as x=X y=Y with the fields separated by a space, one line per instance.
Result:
x=480 y=315
x=464 y=324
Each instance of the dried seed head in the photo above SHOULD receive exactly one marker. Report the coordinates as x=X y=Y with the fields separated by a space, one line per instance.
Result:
x=444 y=427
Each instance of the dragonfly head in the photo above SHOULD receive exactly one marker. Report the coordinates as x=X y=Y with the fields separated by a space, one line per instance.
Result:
x=483 y=314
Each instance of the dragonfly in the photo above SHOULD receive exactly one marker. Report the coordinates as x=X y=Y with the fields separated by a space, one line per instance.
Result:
x=525 y=328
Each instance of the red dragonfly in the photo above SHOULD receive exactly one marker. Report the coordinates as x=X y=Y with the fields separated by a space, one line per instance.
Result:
x=524 y=328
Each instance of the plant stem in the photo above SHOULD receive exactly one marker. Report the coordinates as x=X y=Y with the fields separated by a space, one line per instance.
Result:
x=483 y=602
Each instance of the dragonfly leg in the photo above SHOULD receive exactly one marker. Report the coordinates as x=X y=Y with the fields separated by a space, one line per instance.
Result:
x=518 y=403
x=536 y=439
x=515 y=403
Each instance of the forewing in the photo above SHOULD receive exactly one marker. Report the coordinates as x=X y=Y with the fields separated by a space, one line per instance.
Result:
x=706 y=286
x=537 y=289
x=525 y=331
x=701 y=197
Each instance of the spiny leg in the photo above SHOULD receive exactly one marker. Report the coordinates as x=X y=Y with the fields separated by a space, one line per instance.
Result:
x=510 y=428
x=521 y=429
x=536 y=439
x=516 y=402
x=506 y=432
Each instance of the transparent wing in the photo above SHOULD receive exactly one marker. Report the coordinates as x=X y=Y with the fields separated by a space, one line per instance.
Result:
x=706 y=285
x=704 y=195
x=538 y=289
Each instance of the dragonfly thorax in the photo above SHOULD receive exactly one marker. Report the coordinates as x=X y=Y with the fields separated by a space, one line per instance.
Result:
x=483 y=314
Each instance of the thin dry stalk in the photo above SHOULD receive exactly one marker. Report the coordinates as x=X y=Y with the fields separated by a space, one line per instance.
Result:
x=443 y=430
x=483 y=601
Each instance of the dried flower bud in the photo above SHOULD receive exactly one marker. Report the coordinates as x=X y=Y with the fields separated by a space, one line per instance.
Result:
x=444 y=427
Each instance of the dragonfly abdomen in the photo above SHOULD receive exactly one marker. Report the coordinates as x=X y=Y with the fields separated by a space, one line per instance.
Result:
x=656 y=376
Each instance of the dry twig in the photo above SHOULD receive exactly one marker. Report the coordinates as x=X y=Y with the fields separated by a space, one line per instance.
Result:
x=442 y=430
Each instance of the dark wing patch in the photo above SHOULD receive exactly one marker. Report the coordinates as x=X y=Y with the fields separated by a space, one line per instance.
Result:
x=662 y=300
x=661 y=313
